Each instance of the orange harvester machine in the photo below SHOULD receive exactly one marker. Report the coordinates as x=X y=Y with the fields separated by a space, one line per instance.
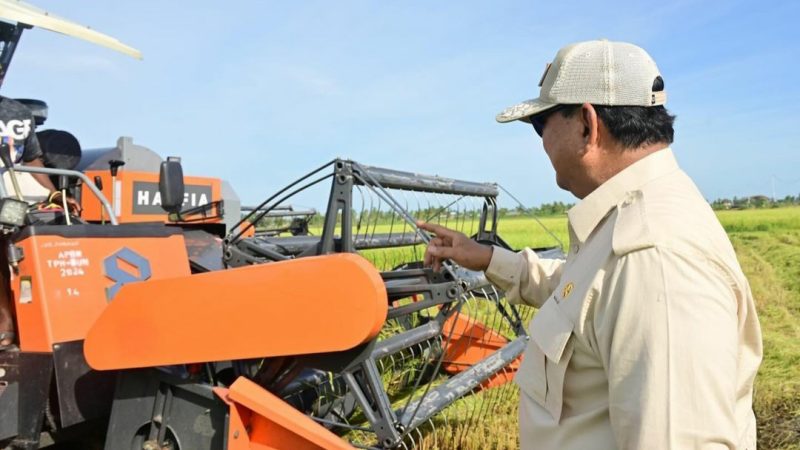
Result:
x=123 y=297
x=115 y=321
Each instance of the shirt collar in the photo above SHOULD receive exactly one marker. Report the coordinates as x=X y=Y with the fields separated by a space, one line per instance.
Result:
x=587 y=214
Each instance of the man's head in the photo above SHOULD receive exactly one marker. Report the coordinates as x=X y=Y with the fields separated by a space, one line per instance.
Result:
x=599 y=110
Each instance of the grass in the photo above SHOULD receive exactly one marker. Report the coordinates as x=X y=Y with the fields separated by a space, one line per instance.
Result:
x=767 y=243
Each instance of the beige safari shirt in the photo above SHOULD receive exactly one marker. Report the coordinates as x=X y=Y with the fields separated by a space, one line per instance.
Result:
x=646 y=336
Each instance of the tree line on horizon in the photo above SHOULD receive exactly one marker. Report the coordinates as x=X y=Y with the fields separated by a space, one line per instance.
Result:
x=751 y=202
x=556 y=208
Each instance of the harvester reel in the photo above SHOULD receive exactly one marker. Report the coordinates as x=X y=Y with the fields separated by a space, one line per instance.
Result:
x=448 y=335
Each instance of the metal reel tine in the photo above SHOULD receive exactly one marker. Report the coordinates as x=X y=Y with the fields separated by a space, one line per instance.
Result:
x=433 y=426
x=419 y=433
x=411 y=438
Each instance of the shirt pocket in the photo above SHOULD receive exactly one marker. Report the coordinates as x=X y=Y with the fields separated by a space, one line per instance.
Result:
x=544 y=365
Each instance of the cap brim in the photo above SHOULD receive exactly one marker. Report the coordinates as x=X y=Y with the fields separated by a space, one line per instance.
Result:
x=524 y=110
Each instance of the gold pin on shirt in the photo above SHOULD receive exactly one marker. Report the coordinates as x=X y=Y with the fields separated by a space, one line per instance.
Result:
x=567 y=290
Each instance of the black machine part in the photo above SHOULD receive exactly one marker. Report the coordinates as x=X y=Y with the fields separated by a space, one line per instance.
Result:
x=170 y=185
x=114 y=166
x=9 y=37
x=38 y=108
x=23 y=397
x=152 y=405
x=60 y=149
x=5 y=157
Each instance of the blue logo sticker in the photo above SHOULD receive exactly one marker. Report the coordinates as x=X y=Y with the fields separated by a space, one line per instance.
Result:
x=120 y=276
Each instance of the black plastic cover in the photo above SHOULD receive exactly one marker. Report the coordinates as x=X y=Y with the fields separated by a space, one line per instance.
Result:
x=60 y=149
x=170 y=185
x=38 y=109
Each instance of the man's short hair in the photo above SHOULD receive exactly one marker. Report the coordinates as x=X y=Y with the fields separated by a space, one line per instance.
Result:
x=634 y=126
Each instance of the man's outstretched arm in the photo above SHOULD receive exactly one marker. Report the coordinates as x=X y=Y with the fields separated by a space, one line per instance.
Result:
x=523 y=276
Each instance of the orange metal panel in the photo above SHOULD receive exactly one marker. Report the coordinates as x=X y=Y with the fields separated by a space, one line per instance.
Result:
x=89 y=203
x=238 y=422
x=260 y=420
x=470 y=342
x=68 y=283
x=129 y=197
x=308 y=305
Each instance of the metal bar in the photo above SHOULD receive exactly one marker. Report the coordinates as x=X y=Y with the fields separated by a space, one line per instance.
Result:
x=15 y=183
x=381 y=192
x=398 y=289
x=405 y=310
x=3 y=193
x=276 y=208
x=230 y=237
x=362 y=400
x=471 y=279
x=340 y=424
x=295 y=245
x=282 y=212
x=385 y=240
x=73 y=173
x=395 y=179
x=340 y=200
x=385 y=429
x=406 y=339
x=457 y=386
x=263 y=251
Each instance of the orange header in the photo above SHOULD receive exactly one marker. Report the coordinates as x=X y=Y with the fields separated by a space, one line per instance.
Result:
x=260 y=420
x=309 y=305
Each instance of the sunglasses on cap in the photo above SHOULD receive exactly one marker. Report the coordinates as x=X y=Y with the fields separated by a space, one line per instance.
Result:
x=539 y=120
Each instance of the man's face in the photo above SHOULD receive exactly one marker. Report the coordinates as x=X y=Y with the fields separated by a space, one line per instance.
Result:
x=563 y=142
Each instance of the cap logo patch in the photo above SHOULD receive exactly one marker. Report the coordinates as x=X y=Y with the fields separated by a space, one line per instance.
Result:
x=567 y=290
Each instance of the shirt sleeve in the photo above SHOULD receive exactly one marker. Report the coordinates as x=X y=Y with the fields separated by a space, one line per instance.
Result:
x=524 y=276
x=32 y=148
x=667 y=336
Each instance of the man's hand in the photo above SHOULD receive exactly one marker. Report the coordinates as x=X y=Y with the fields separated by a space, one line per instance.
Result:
x=450 y=244
x=74 y=207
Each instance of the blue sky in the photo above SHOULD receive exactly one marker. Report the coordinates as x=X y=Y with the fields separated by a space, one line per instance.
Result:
x=261 y=92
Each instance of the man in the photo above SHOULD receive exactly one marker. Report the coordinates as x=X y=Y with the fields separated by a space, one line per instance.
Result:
x=17 y=129
x=646 y=336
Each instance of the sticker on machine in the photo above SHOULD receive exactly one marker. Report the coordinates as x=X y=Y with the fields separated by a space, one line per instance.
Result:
x=147 y=198
x=69 y=263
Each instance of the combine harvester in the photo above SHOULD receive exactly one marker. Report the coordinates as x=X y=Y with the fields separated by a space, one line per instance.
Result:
x=161 y=320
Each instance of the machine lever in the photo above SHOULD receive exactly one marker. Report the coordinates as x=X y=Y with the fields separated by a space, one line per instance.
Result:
x=5 y=157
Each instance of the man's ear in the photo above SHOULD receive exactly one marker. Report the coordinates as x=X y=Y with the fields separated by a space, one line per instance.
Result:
x=591 y=125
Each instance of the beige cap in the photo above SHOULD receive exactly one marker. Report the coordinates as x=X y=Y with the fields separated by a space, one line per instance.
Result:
x=597 y=72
